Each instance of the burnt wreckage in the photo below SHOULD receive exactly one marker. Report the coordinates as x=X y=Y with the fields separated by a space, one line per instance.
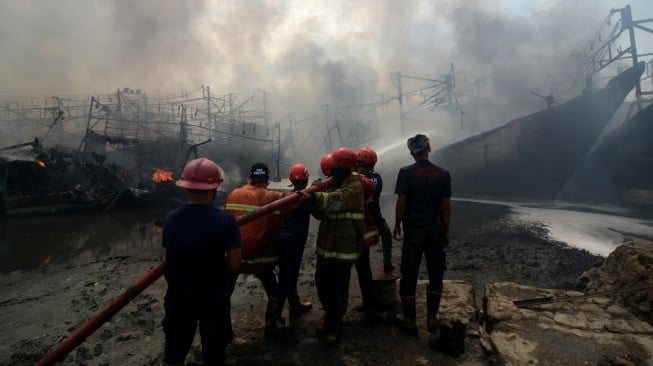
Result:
x=49 y=181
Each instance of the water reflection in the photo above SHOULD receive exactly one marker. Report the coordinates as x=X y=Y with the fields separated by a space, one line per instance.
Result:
x=72 y=240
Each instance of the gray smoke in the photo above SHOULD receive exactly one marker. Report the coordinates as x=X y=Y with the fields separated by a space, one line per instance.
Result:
x=304 y=54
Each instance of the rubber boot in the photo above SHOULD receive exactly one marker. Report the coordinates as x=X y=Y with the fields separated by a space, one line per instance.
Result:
x=406 y=319
x=325 y=324
x=459 y=330
x=446 y=343
x=298 y=307
x=334 y=334
x=275 y=324
x=433 y=306
x=386 y=244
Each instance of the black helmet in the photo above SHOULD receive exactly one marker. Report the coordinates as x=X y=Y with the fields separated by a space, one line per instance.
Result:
x=419 y=144
x=259 y=173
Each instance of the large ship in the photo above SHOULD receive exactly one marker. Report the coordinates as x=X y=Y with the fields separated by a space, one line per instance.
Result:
x=533 y=156
x=619 y=170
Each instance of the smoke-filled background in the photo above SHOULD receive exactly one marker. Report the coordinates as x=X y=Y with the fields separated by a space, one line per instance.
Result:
x=306 y=55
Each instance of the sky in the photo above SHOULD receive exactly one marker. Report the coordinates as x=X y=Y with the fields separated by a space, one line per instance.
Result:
x=304 y=53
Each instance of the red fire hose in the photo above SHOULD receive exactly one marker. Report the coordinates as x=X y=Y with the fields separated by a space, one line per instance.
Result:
x=80 y=334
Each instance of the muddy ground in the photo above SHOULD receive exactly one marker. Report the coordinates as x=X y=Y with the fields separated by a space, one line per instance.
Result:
x=38 y=309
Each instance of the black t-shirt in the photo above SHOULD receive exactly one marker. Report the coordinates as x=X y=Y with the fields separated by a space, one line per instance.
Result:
x=374 y=206
x=425 y=185
x=196 y=237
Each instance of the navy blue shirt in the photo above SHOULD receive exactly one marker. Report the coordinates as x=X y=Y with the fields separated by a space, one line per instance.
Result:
x=196 y=237
x=425 y=185
x=294 y=225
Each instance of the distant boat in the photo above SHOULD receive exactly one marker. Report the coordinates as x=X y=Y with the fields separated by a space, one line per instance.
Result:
x=533 y=156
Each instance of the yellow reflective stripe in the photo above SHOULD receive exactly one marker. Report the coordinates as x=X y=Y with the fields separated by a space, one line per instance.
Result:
x=325 y=201
x=337 y=255
x=370 y=234
x=247 y=208
x=261 y=260
x=346 y=215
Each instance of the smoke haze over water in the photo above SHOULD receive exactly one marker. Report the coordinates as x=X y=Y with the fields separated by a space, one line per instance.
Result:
x=304 y=54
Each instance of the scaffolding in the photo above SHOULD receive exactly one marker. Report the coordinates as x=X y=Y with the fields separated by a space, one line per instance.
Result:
x=616 y=39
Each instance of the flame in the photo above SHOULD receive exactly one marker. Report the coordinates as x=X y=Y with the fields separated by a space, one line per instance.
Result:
x=161 y=175
x=40 y=163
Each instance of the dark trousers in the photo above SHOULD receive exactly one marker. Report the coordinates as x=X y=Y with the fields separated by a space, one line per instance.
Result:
x=268 y=279
x=425 y=242
x=364 y=271
x=180 y=323
x=291 y=251
x=332 y=283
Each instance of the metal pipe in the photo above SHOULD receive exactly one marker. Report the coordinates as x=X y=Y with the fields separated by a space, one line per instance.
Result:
x=80 y=334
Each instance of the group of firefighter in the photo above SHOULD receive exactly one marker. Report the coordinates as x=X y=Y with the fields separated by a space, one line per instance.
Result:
x=206 y=249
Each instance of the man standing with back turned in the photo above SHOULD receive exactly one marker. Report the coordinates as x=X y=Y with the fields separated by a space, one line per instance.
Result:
x=424 y=208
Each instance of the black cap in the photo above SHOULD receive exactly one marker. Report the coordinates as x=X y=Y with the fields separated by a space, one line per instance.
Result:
x=419 y=144
x=259 y=173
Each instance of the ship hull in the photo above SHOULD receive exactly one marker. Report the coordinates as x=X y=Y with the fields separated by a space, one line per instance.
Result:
x=532 y=157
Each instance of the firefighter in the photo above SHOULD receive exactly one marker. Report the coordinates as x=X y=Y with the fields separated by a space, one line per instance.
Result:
x=366 y=160
x=294 y=232
x=339 y=243
x=202 y=243
x=424 y=209
x=260 y=244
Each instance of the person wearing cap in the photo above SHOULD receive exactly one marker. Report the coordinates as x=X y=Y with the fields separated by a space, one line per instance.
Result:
x=202 y=243
x=340 y=209
x=260 y=237
x=423 y=208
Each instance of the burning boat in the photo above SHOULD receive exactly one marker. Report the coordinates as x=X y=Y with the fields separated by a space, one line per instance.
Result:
x=50 y=181
x=533 y=156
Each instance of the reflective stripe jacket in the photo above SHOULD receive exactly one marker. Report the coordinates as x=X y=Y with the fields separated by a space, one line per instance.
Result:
x=261 y=236
x=341 y=211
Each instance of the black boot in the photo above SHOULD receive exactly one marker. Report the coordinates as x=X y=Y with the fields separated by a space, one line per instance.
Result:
x=298 y=307
x=406 y=319
x=325 y=324
x=275 y=324
x=459 y=330
x=334 y=334
x=433 y=306
x=446 y=343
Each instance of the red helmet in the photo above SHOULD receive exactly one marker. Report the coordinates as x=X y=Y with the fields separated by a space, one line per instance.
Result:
x=298 y=172
x=367 y=156
x=200 y=174
x=344 y=157
x=325 y=164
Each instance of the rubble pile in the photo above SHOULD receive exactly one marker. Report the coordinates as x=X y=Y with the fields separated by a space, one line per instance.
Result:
x=628 y=266
x=590 y=331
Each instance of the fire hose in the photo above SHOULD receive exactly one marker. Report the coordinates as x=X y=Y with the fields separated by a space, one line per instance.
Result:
x=102 y=316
